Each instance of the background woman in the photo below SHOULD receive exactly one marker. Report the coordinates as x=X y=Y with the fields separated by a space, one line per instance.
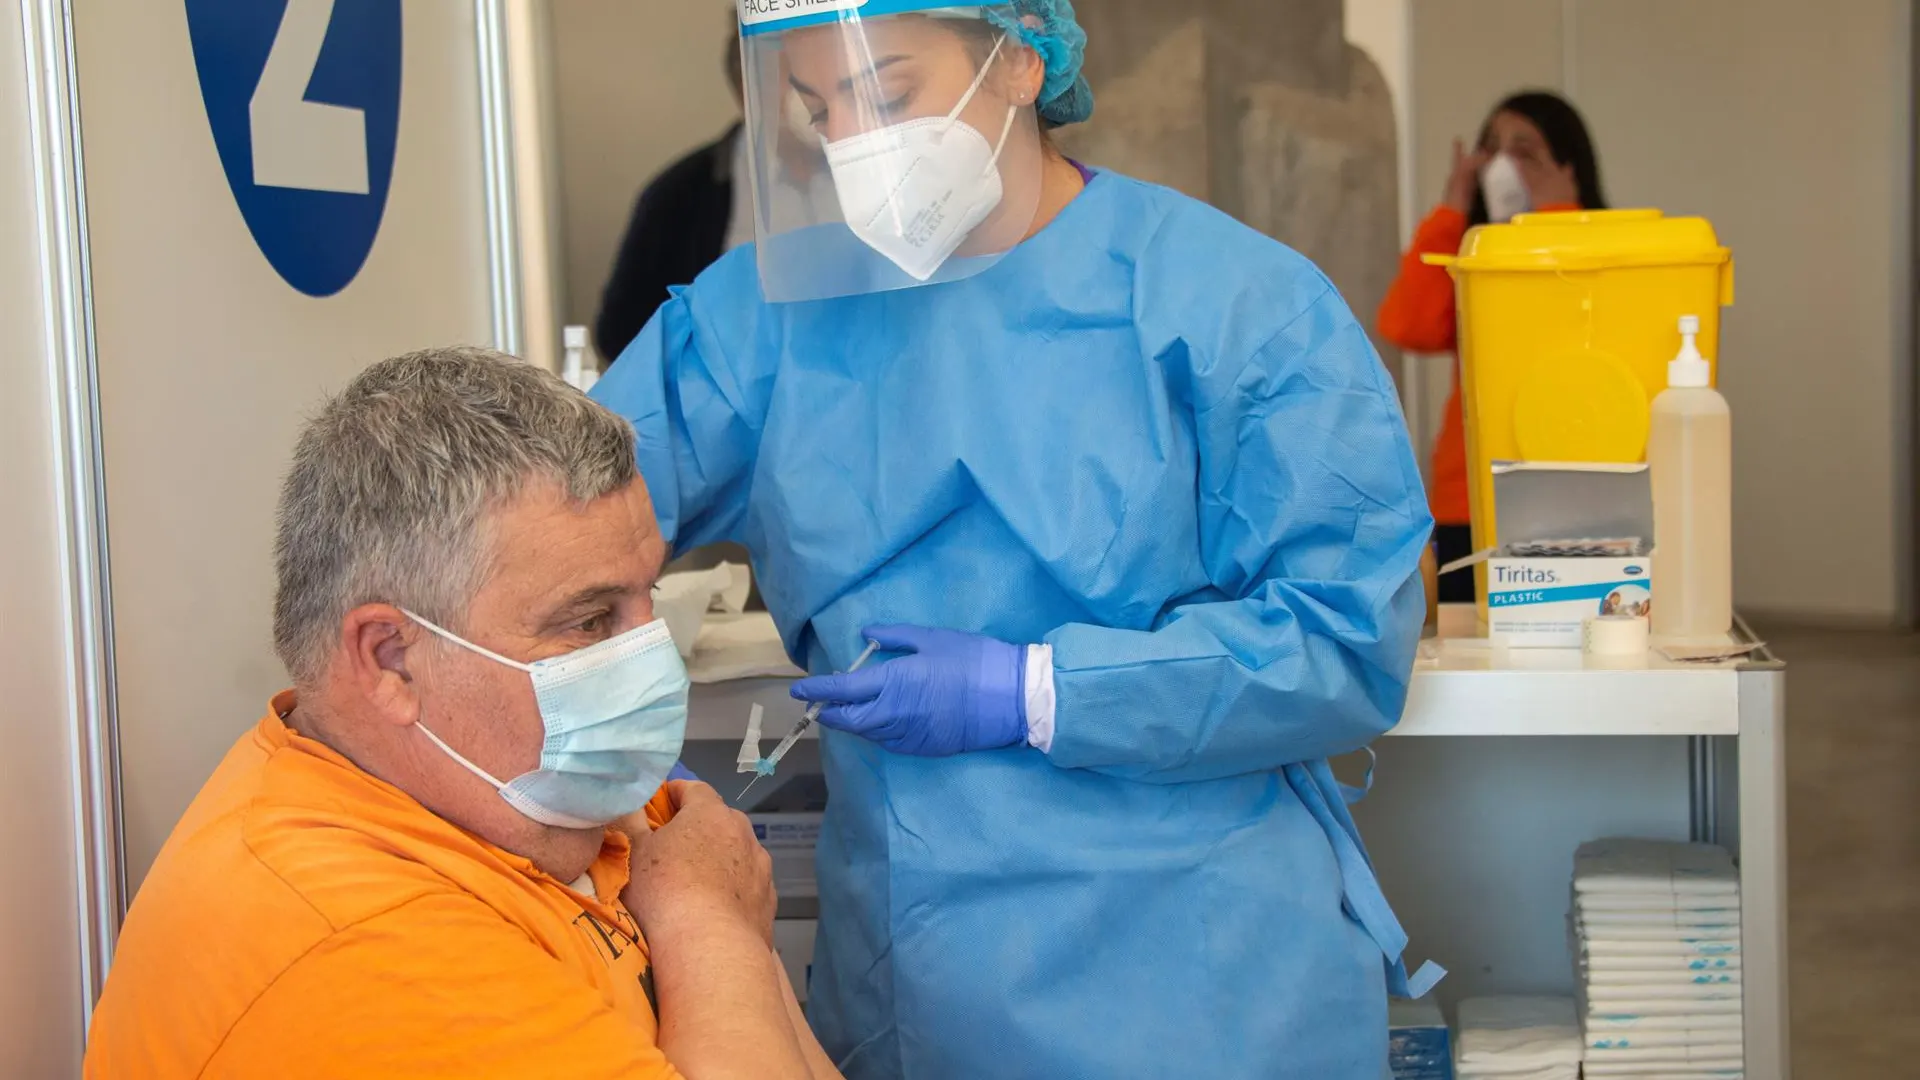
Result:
x=1535 y=151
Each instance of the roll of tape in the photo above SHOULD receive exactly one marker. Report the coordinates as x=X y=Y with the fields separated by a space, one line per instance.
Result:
x=1615 y=635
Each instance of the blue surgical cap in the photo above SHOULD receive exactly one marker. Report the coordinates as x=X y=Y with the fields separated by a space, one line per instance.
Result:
x=1065 y=98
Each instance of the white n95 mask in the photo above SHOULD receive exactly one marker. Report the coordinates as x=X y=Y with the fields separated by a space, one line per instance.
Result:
x=615 y=715
x=1504 y=190
x=914 y=191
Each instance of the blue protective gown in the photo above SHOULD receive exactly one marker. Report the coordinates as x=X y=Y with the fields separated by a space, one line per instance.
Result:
x=1159 y=442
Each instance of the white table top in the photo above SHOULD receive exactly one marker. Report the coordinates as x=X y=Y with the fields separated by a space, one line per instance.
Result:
x=1462 y=686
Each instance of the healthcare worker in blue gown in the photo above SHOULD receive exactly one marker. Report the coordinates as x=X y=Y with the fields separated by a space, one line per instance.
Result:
x=1126 y=498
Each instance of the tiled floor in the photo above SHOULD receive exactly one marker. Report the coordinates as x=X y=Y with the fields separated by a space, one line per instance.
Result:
x=1853 y=706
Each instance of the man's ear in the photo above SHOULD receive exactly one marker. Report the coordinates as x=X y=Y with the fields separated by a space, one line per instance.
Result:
x=378 y=644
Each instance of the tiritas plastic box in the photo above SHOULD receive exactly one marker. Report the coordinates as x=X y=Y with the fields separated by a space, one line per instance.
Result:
x=1543 y=600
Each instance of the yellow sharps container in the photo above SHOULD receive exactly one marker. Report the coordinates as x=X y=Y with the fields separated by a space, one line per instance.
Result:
x=1566 y=324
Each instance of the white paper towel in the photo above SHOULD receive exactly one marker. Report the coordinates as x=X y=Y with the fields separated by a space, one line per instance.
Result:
x=685 y=599
x=740 y=647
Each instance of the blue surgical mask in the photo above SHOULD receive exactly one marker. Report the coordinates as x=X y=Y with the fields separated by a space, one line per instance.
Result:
x=616 y=716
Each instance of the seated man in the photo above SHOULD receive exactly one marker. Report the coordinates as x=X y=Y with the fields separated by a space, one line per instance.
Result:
x=466 y=556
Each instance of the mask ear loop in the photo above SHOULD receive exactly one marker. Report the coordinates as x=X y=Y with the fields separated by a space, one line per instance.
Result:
x=978 y=81
x=1006 y=130
x=468 y=645
x=460 y=758
x=456 y=639
x=1013 y=111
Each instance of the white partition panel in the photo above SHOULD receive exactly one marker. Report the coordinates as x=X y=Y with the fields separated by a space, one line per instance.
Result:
x=224 y=309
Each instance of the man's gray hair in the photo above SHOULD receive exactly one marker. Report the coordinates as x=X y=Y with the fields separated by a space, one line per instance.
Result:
x=392 y=482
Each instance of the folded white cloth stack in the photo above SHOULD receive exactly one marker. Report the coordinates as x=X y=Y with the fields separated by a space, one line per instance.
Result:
x=1658 y=867
x=1518 y=1038
x=1632 y=1027
x=1657 y=931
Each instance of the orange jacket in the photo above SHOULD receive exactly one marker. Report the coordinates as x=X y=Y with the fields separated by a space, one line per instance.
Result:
x=306 y=919
x=1418 y=315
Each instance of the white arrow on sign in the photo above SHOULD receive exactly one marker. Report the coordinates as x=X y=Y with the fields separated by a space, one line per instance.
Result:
x=299 y=143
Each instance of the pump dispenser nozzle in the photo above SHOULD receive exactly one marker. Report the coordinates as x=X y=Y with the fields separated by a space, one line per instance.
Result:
x=1689 y=369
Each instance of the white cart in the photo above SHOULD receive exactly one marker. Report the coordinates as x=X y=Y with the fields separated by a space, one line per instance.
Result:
x=1504 y=763
x=1532 y=752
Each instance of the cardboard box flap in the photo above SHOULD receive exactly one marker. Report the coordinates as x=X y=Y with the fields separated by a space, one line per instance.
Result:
x=1543 y=501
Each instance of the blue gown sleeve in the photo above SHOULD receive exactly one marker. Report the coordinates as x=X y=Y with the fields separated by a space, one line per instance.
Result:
x=687 y=386
x=1312 y=524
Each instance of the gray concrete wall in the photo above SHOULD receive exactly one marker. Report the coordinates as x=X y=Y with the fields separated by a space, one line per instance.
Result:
x=1261 y=108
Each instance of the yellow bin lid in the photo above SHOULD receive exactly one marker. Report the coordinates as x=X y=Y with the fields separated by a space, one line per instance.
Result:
x=1589 y=240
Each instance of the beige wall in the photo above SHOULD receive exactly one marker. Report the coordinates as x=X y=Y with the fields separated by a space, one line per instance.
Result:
x=638 y=83
x=1383 y=30
x=1787 y=124
x=40 y=992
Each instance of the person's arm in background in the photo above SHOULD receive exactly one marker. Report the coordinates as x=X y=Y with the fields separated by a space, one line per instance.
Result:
x=1418 y=313
x=679 y=227
x=639 y=283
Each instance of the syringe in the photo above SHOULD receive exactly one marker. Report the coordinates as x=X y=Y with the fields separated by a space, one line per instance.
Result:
x=767 y=764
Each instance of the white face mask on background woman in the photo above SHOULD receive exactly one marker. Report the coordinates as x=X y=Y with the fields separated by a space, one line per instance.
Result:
x=1504 y=189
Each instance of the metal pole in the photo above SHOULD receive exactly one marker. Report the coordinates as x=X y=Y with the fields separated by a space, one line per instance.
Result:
x=496 y=140
x=72 y=359
x=1702 y=760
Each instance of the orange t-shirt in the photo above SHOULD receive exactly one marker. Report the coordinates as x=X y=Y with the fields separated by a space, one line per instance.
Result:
x=1418 y=315
x=308 y=920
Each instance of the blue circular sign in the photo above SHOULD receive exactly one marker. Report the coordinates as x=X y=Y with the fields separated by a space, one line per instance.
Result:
x=304 y=100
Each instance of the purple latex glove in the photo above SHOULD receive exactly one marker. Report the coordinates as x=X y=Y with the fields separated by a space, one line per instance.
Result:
x=681 y=772
x=952 y=694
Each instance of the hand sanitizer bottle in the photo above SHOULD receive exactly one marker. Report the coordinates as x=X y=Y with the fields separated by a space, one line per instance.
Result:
x=574 y=367
x=1690 y=453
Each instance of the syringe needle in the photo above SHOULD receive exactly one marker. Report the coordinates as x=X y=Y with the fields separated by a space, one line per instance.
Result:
x=742 y=797
x=812 y=715
x=807 y=720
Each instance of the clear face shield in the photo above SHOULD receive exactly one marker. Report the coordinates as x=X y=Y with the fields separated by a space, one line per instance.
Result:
x=892 y=144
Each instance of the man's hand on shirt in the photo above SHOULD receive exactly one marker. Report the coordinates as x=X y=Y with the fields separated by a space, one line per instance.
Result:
x=702 y=892
x=705 y=864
